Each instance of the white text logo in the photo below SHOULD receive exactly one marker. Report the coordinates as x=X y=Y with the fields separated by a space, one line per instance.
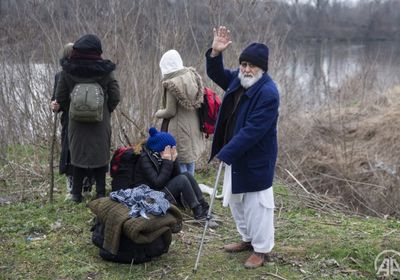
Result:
x=387 y=263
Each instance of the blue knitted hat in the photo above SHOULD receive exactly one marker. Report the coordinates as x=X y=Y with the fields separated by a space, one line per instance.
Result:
x=159 y=140
x=256 y=54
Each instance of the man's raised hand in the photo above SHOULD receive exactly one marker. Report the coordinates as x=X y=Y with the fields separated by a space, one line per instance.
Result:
x=222 y=39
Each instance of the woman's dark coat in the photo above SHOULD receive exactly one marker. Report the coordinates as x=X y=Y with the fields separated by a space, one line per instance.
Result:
x=149 y=172
x=65 y=160
x=89 y=142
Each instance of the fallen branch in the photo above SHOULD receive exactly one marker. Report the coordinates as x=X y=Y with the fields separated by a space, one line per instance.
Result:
x=274 y=275
x=297 y=181
x=389 y=233
x=352 y=181
x=140 y=129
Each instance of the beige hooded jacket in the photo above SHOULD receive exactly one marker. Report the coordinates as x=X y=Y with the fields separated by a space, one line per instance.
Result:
x=183 y=95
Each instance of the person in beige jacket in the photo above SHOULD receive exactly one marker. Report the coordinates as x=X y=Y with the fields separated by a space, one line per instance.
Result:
x=182 y=96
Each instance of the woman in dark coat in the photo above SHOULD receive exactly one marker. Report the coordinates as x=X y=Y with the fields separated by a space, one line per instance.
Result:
x=89 y=141
x=158 y=168
x=65 y=162
x=65 y=157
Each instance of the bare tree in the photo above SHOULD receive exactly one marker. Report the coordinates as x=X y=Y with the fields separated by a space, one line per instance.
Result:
x=136 y=33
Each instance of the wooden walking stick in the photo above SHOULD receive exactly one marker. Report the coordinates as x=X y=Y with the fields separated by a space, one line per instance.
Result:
x=51 y=163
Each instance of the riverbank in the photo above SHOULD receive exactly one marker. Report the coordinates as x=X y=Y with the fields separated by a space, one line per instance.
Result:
x=53 y=241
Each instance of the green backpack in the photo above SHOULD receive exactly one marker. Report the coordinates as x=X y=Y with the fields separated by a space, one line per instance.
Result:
x=87 y=100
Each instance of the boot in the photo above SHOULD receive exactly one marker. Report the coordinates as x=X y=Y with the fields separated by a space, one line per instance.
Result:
x=238 y=247
x=205 y=206
x=198 y=212
x=255 y=260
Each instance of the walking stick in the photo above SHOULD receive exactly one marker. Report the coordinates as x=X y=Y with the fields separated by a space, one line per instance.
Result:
x=208 y=217
x=53 y=144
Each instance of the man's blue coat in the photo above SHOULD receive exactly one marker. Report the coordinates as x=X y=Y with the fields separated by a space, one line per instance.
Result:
x=252 y=151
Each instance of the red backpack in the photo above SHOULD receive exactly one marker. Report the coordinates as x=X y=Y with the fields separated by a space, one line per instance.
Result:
x=122 y=168
x=208 y=111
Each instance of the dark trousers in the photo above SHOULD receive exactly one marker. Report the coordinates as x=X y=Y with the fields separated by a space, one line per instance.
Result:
x=65 y=156
x=185 y=185
x=99 y=175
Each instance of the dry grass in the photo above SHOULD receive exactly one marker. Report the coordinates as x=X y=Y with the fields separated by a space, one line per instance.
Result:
x=350 y=153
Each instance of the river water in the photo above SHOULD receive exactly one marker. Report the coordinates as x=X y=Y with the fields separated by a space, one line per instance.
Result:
x=313 y=71
x=308 y=76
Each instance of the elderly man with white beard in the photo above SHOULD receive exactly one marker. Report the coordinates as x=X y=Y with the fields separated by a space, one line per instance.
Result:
x=245 y=140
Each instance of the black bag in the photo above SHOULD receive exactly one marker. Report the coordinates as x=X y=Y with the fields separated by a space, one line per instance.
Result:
x=122 y=168
x=129 y=251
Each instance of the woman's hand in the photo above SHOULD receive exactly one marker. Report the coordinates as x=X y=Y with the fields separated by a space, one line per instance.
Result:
x=174 y=153
x=167 y=153
x=55 y=106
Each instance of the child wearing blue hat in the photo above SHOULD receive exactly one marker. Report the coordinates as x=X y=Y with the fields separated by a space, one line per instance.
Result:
x=158 y=168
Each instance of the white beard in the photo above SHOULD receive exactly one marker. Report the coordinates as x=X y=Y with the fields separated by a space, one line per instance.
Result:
x=248 y=80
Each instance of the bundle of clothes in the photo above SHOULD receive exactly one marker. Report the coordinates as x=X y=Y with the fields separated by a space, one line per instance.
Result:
x=134 y=225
